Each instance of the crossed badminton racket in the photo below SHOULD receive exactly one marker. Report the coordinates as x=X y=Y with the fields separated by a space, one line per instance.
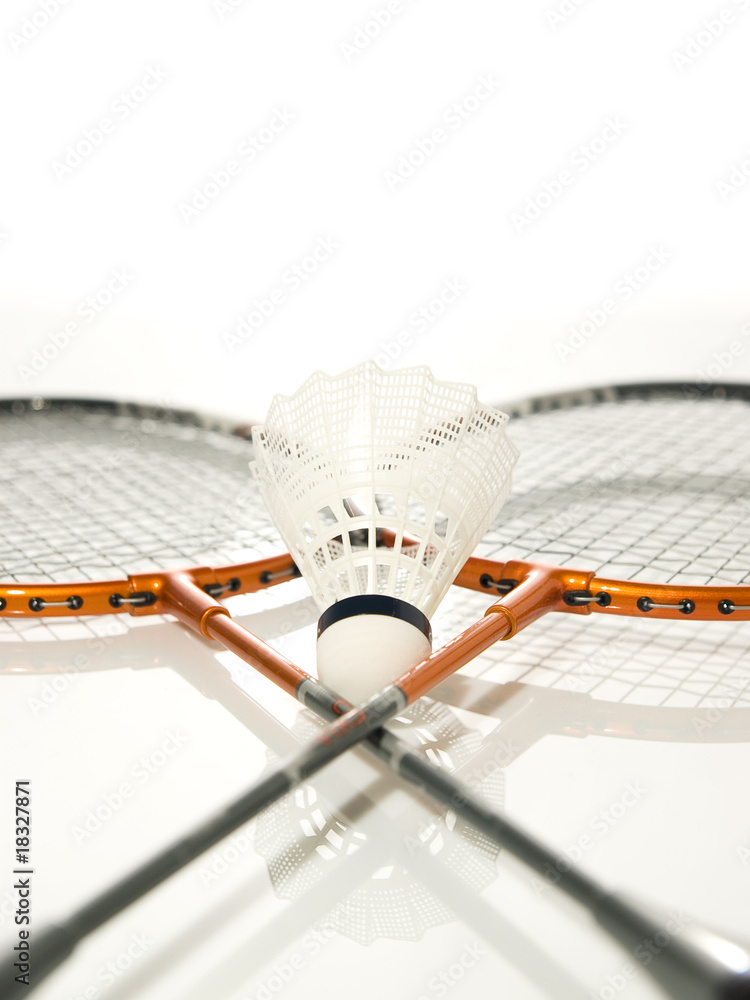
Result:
x=124 y=488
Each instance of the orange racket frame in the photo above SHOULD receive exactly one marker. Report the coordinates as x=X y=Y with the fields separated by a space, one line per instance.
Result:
x=533 y=590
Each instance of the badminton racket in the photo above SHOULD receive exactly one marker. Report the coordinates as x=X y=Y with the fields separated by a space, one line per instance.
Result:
x=580 y=593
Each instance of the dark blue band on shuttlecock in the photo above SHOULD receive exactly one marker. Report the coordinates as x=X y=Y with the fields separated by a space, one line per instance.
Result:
x=375 y=604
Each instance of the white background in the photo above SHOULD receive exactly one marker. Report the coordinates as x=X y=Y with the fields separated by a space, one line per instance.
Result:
x=361 y=97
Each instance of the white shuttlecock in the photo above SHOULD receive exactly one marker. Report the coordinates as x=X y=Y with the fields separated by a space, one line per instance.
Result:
x=380 y=483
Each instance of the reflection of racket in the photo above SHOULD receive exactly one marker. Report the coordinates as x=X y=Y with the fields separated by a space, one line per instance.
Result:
x=121 y=494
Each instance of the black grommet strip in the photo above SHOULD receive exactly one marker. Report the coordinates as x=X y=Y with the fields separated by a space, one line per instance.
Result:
x=39 y=604
x=580 y=598
x=268 y=577
x=217 y=589
x=375 y=604
x=727 y=607
x=2 y=603
x=687 y=607
x=141 y=598
x=501 y=586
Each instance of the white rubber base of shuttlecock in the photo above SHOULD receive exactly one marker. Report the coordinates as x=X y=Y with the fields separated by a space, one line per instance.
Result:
x=359 y=656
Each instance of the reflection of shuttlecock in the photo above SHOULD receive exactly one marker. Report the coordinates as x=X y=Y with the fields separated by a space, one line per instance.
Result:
x=303 y=840
x=381 y=484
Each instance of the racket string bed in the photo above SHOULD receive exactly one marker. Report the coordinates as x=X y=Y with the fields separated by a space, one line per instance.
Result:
x=642 y=511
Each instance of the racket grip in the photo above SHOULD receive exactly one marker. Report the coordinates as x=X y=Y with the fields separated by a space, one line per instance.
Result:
x=47 y=950
x=688 y=961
